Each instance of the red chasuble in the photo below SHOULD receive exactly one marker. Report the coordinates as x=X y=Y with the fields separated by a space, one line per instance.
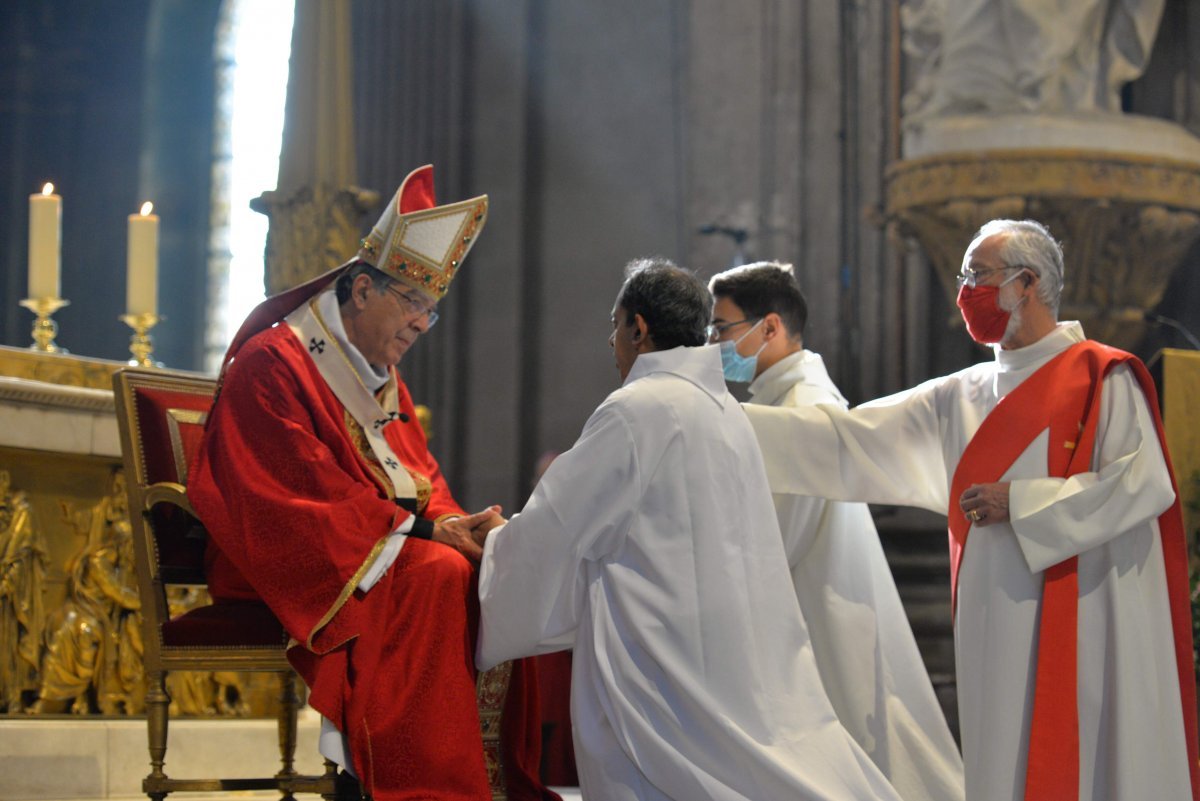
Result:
x=295 y=502
x=1064 y=397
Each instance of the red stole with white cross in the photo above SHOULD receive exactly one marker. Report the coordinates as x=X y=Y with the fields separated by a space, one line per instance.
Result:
x=1064 y=396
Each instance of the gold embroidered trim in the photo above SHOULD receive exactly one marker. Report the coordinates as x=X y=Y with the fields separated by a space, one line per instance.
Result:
x=424 y=487
x=491 y=690
x=367 y=454
x=421 y=273
x=347 y=590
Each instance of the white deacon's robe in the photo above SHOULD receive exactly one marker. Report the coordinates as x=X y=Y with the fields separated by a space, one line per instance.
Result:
x=651 y=547
x=904 y=450
x=864 y=647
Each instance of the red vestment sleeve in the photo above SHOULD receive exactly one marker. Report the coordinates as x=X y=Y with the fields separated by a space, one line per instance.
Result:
x=283 y=492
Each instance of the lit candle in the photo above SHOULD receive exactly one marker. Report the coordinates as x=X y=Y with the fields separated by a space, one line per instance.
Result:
x=141 y=291
x=45 y=226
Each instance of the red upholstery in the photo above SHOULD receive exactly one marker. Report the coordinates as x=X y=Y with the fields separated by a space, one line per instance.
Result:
x=225 y=624
x=153 y=408
x=179 y=537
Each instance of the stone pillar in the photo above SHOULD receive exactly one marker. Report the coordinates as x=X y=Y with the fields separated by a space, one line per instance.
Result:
x=315 y=210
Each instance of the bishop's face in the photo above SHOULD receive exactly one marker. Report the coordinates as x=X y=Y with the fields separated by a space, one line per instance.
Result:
x=383 y=325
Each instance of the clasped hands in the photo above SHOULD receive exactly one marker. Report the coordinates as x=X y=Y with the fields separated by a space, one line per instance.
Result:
x=985 y=504
x=467 y=534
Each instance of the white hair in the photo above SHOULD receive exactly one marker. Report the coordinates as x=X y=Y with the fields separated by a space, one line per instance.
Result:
x=1027 y=243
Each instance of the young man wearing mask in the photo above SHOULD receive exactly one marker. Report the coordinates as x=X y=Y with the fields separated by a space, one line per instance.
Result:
x=864 y=647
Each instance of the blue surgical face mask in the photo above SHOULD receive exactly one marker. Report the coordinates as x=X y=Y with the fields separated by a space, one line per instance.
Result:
x=737 y=367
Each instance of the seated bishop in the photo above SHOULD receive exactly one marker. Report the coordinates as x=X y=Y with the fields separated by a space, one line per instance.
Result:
x=322 y=499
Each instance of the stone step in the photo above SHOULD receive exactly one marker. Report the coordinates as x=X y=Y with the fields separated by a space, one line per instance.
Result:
x=45 y=758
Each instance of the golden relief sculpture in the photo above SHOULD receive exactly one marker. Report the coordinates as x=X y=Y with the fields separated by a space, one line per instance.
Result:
x=70 y=623
x=59 y=369
x=22 y=571
x=93 y=659
x=85 y=657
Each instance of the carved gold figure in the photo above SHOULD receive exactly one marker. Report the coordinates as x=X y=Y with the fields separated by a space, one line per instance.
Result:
x=22 y=571
x=93 y=644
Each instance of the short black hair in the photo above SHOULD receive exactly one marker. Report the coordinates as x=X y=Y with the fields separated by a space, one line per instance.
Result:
x=671 y=299
x=379 y=279
x=762 y=288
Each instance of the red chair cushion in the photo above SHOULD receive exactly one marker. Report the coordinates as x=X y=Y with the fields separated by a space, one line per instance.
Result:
x=155 y=409
x=232 y=624
x=169 y=431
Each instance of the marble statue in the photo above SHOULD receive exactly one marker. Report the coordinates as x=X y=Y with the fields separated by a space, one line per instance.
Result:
x=1022 y=56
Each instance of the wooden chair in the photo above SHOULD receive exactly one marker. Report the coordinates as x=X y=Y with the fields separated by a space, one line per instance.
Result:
x=161 y=416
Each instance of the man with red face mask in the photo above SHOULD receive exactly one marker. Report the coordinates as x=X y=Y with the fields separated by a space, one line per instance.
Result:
x=1068 y=563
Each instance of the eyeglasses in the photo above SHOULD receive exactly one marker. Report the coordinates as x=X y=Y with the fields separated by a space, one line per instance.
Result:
x=715 y=330
x=414 y=306
x=970 y=278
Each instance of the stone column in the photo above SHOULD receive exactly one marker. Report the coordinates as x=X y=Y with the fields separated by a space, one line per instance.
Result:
x=315 y=210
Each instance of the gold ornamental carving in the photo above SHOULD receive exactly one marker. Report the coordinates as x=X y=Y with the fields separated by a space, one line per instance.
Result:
x=1125 y=221
x=70 y=628
x=57 y=368
x=22 y=573
x=93 y=658
x=83 y=656
x=311 y=231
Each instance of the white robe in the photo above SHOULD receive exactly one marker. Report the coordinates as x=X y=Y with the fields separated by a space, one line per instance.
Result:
x=651 y=547
x=904 y=449
x=864 y=647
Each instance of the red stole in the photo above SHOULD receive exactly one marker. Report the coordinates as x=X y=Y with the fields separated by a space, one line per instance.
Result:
x=1064 y=396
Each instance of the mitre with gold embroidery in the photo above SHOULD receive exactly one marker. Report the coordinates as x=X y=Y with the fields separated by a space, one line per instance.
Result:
x=419 y=242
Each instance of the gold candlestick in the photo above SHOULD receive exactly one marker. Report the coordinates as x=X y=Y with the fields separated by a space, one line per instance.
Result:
x=45 y=329
x=141 y=344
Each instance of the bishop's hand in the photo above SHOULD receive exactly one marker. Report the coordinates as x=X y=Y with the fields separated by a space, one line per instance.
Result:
x=459 y=533
x=493 y=520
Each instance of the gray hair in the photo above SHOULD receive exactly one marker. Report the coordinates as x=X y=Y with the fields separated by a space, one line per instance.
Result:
x=1027 y=243
x=379 y=279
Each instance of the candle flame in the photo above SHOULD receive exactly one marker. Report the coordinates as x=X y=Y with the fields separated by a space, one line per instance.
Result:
x=147 y=207
x=48 y=189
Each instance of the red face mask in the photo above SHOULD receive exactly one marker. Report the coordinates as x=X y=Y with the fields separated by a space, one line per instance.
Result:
x=980 y=307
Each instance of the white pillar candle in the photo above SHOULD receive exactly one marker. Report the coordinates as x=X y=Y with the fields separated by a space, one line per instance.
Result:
x=45 y=226
x=141 y=290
